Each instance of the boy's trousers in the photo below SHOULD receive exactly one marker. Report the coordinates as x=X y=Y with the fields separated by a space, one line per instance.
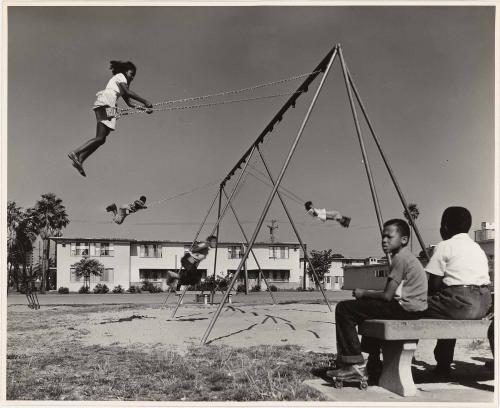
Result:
x=460 y=302
x=350 y=313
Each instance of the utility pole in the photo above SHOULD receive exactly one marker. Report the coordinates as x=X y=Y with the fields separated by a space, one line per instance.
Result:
x=272 y=227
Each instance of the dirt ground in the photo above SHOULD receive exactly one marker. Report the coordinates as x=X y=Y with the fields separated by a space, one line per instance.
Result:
x=311 y=326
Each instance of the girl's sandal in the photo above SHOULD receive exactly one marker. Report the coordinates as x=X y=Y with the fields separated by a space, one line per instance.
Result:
x=76 y=164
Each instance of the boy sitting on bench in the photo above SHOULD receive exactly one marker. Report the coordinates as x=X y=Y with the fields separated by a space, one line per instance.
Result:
x=404 y=298
x=458 y=280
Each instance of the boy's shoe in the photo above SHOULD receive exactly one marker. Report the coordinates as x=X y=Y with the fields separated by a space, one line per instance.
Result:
x=349 y=372
x=76 y=163
x=112 y=208
x=345 y=221
x=442 y=371
x=374 y=369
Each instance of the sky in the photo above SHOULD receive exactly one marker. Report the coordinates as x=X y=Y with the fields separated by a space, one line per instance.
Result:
x=425 y=74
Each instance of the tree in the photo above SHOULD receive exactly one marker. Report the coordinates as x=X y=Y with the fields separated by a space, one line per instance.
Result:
x=321 y=261
x=22 y=231
x=86 y=267
x=51 y=218
x=414 y=213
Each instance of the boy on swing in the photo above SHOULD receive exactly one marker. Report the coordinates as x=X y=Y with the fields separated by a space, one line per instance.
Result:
x=323 y=215
x=189 y=273
x=124 y=211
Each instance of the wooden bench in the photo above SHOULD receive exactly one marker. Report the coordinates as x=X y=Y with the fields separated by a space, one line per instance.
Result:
x=400 y=342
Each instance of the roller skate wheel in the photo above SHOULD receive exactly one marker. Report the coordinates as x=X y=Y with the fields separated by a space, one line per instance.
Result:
x=363 y=385
x=338 y=384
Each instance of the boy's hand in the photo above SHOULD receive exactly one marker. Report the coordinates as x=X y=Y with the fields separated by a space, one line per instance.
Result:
x=358 y=293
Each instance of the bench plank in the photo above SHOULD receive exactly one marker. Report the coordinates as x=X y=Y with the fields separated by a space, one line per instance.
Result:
x=425 y=329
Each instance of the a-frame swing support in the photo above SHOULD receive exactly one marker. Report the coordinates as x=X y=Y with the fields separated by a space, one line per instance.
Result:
x=324 y=66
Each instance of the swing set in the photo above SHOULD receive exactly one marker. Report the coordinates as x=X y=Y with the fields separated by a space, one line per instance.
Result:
x=243 y=163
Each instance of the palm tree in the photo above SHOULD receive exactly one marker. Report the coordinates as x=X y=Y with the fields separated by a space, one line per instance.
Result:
x=22 y=231
x=51 y=218
x=86 y=267
x=414 y=213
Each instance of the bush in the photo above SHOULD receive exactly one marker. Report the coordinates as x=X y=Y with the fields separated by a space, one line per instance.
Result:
x=134 y=289
x=84 y=289
x=118 y=289
x=240 y=288
x=63 y=291
x=256 y=288
x=100 y=288
x=299 y=289
x=148 y=286
x=311 y=289
x=273 y=288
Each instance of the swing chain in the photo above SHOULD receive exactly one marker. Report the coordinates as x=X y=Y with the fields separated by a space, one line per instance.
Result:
x=128 y=111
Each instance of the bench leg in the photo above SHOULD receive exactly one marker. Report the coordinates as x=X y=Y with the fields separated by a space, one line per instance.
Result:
x=396 y=374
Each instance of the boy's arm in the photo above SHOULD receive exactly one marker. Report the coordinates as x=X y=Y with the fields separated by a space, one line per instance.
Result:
x=434 y=284
x=387 y=294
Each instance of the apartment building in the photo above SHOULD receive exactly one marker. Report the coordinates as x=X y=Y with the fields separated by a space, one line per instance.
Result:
x=129 y=262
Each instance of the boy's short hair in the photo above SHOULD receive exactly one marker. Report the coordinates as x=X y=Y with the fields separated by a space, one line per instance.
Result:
x=308 y=205
x=211 y=238
x=142 y=198
x=457 y=220
x=401 y=225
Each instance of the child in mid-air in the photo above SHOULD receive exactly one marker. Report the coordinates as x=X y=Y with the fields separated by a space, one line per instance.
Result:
x=404 y=298
x=323 y=215
x=124 y=211
x=189 y=273
x=105 y=109
x=459 y=282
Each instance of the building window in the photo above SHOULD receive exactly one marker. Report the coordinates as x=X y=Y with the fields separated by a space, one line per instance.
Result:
x=151 y=251
x=108 y=275
x=235 y=252
x=380 y=273
x=80 y=249
x=102 y=249
x=278 y=252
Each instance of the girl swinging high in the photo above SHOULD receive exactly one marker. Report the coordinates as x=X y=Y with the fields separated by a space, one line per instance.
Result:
x=105 y=109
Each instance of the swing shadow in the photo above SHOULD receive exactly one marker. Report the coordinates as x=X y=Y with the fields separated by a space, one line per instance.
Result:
x=465 y=374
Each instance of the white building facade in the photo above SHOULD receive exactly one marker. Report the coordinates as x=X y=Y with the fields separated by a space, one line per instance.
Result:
x=130 y=262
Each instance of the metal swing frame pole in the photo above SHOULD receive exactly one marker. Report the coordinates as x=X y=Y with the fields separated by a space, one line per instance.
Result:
x=181 y=298
x=238 y=181
x=216 y=245
x=302 y=245
x=218 y=221
x=362 y=147
x=253 y=254
x=361 y=143
x=270 y=198
x=387 y=165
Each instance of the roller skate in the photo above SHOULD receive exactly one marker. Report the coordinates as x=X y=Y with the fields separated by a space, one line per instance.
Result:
x=352 y=373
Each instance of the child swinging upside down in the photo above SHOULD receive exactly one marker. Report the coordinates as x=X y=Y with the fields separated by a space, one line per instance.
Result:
x=125 y=210
x=105 y=109
x=189 y=273
x=323 y=215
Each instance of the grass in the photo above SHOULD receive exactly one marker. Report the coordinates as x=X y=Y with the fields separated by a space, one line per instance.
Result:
x=47 y=361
